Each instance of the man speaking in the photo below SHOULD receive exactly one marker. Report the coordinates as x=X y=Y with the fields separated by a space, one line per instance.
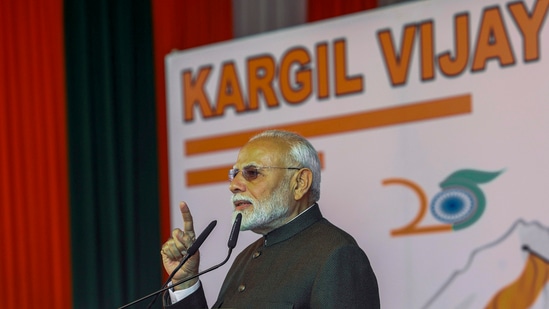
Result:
x=301 y=260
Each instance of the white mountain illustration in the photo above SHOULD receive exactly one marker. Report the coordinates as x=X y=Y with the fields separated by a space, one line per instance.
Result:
x=492 y=267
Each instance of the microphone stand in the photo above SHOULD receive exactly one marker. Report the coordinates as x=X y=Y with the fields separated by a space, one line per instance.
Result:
x=233 y=238
x=190 y=252
x=180 y=282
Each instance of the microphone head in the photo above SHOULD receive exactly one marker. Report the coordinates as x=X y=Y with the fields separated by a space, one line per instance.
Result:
x=235 y=231
x=198 y=242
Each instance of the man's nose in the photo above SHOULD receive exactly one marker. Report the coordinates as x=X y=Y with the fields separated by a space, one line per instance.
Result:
x=237 y=184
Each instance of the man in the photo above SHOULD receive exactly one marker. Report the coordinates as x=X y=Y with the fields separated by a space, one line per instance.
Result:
x=302 y=260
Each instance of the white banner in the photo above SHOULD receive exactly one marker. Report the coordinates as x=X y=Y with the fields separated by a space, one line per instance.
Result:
x=431 y=121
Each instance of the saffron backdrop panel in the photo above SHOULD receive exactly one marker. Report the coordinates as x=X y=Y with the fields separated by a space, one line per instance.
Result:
x=34 y=213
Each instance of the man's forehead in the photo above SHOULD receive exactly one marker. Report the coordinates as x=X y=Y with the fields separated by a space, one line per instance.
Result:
x=261 y=152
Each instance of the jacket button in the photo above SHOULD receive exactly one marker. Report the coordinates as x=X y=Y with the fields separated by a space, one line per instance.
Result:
x=256 y=254
x=241 y=288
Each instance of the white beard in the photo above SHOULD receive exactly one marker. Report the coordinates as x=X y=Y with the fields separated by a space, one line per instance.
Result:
x=267 y=214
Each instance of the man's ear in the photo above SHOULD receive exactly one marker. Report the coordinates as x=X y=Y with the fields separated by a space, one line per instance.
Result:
x=302 y=183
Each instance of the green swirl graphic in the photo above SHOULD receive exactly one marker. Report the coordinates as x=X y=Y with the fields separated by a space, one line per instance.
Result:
x=470 y=179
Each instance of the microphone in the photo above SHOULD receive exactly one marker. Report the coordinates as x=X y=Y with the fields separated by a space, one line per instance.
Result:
x=231 y=244
x=190 y=252
x=234 y=231
x=193 y=248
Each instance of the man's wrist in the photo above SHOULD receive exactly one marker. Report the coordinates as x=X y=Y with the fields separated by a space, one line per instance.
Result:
x=184 y=285
x=178 y=295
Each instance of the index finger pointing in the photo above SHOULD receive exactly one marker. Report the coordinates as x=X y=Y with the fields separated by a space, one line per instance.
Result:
x=188 y=226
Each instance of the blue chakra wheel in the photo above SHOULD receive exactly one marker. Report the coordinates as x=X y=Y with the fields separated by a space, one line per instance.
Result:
x=454 y=205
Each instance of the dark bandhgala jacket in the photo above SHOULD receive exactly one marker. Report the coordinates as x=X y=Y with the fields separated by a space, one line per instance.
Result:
x=307 y=263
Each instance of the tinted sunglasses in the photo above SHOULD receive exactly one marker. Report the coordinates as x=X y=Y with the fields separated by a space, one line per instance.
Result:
x=251 y=172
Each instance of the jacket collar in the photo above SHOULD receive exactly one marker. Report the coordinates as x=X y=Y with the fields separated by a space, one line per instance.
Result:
x=290 y=229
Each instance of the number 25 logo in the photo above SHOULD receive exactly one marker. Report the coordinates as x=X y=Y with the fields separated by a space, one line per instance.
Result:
x=460 y=203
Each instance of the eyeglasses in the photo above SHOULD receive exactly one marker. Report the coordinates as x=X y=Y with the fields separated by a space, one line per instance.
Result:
x=251 y=172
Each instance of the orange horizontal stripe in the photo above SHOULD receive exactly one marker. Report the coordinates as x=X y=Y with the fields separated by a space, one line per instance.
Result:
x=422 y=230
x=212 y=175
x=419 y=111
x=208 y=175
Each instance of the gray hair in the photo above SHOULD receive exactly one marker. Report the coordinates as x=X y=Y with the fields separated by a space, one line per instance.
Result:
x=301 y=152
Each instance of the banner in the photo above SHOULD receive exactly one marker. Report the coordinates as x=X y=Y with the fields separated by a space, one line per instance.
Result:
x=430 y=119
